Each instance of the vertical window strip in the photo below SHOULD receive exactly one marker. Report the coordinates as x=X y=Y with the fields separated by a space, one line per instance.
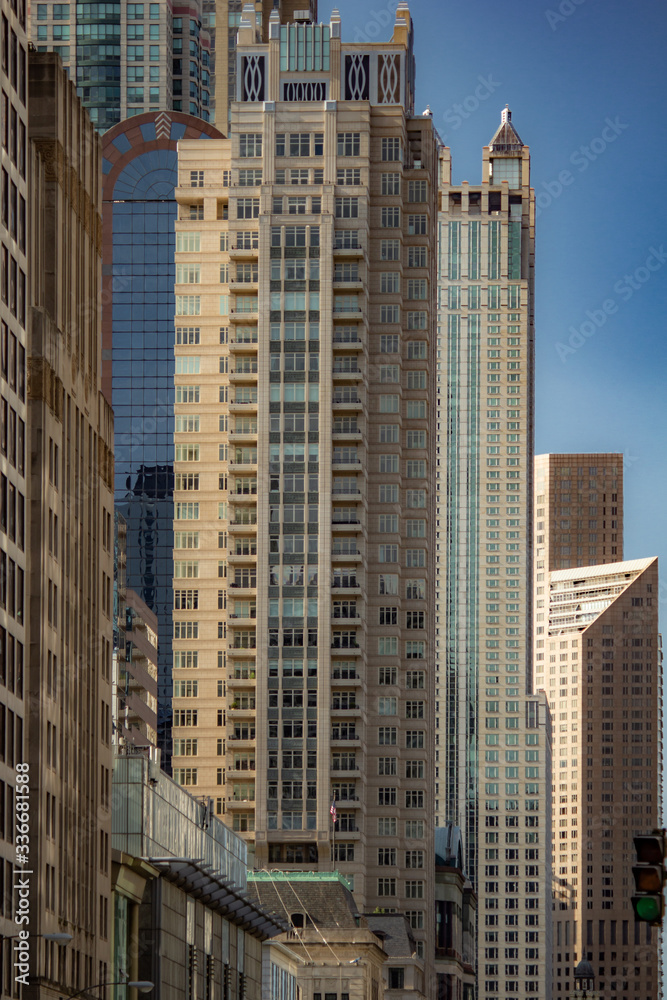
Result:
x=494 y=250
x=454 y=250
x=473 y=249
x=514 y=250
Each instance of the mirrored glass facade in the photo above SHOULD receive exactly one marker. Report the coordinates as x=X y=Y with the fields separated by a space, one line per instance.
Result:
x=139 y=213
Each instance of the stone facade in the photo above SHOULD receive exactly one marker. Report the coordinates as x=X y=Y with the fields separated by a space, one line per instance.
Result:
x=14 y=453
x=603 y=676
x=305 y=301
x=70 y=580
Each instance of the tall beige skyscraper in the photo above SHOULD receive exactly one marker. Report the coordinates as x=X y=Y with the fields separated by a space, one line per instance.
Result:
x=13 y=418
x=304 y=473
x=494 y=737
x=70 y=537
x=602 y=663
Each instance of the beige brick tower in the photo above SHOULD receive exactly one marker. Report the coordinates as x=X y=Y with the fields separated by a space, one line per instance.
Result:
x=304 y=474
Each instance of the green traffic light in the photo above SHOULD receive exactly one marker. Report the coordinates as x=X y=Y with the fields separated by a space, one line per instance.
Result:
x=648 y=908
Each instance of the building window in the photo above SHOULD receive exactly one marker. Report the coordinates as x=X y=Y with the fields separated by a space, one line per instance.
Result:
x=391 y=149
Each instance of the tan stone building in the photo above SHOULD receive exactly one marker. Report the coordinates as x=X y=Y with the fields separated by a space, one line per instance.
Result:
x=493 y=753
x=70 y=537
x=333 y=948
x=304 y=472
x=13 y=445
x=603 y=674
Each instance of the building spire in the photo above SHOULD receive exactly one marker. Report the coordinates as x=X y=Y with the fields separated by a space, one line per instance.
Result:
x=506 y=138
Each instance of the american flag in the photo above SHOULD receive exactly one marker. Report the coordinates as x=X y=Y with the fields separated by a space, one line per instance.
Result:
x=333 y=811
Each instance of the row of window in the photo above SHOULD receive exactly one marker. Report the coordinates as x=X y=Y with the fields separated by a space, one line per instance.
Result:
x=312 y=144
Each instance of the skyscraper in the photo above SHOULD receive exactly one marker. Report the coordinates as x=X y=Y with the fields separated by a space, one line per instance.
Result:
x=603 y=674
x=304 y=463
x=493 y=758
x=578 y=520
x=139 y=211
x=227 y=21
x=13 y=418
x=129 y=58
x=70 y=535
x=578 y=510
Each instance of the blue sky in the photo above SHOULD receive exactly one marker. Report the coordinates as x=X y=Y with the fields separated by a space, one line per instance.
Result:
x=567 y=69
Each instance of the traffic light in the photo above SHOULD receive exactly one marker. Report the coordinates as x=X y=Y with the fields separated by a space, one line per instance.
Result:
x=650 y=877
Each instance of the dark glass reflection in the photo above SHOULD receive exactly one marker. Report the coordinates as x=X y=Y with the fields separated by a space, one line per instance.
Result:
x=143 y=394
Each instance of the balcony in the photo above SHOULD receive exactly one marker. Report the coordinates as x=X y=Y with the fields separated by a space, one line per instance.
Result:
x=344 y=735
x=235 y=559
x=243 y=317
x=346 y=401
x=244 y=252
x=241 y=620
x=240 y=467
x=239 y=803
x=349 y=678
x=352 y=314
x=353 y=557
x=239 y=712
x=343 y=284
x=345 y=464
x=345 y=588
x=346 y=491
x=242 y=741
x=343 y=339
x=345 y=525
x=243 y=437
x=238 y=682
x=352 y=250
x=345 y=436
x=244 y=589
x=243 y=374
x=337 y=621
x=352 y=375
x=244 y=286
x=242 y=516
x=242 y=346
x=242 y=405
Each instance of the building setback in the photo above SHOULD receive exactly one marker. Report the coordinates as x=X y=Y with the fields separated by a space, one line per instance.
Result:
x=493 y=752
x=130 y=58
x=227 y=21
x=71 y=540
x=304 y=463
x=603 y=674
x=13 y=419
